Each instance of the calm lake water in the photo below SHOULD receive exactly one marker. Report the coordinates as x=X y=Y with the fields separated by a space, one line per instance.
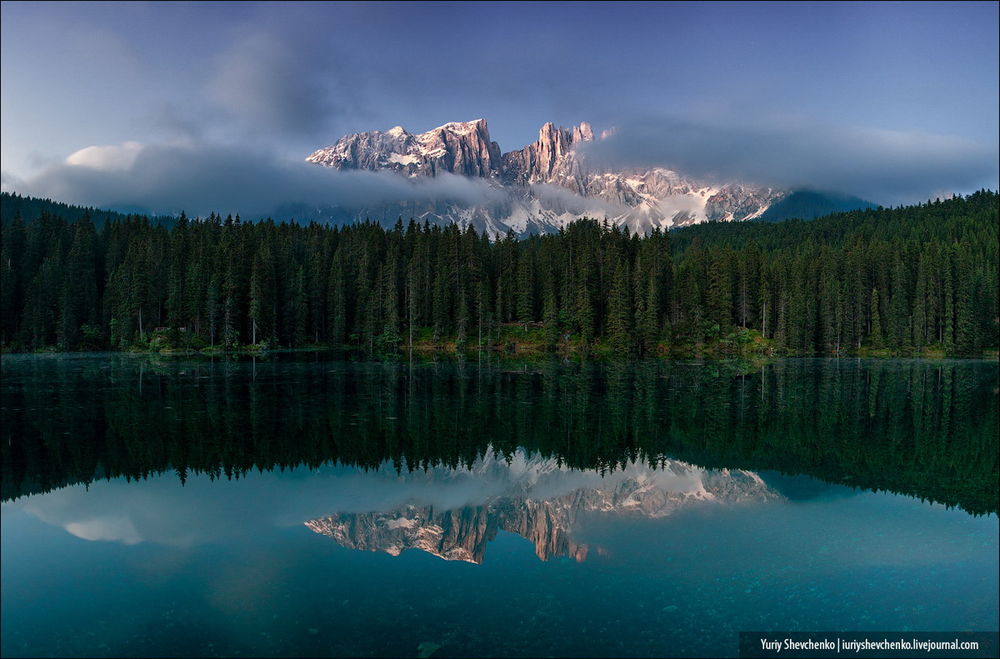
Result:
x=301 y=505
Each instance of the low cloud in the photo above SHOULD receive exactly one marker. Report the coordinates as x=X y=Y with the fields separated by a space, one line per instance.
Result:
x=560 y=200
x=885 y=166
x=199 y=179
x=9 y=182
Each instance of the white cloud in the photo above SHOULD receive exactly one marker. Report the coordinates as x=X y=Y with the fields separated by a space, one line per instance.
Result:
x=106 y=158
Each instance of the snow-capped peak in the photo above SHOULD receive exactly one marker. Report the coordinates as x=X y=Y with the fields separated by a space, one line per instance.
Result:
x=642 y=199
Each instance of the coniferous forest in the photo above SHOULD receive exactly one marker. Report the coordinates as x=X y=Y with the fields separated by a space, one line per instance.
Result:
x=910 y=280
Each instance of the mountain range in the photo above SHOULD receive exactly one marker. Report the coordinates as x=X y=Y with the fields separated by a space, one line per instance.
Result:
x=547 y=184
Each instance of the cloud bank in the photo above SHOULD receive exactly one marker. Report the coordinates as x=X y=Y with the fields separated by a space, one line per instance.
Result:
x=199 y=179
x=888 y=167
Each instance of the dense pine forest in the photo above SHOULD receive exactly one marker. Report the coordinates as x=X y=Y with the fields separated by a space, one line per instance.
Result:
x=910 y=280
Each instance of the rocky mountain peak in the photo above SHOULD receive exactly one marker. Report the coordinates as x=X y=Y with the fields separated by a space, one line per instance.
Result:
x=465 y=127
x=550 y=157
x=639 y=198
x=583 y=133
x=461 y=147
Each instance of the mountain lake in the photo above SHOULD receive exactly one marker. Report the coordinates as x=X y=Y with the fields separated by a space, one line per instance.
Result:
x=301 y=504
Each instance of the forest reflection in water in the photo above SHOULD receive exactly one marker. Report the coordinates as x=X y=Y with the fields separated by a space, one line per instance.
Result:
x=918 y=427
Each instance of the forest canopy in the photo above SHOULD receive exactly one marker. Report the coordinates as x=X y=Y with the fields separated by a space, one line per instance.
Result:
x=905 y=280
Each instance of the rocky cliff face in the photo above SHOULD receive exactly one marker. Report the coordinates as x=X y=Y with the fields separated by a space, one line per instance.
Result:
x=550 y=159
x=462 y=148
x=530 y=180
x=529 y=508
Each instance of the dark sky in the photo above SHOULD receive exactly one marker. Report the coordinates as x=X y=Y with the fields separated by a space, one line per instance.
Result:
x=892 y=101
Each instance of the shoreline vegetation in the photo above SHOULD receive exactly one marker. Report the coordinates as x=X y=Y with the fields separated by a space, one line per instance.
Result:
x=516 y=342
x=910 y=281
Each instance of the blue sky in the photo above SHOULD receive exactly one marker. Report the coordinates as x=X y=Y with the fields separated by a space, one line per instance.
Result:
x=756 y=89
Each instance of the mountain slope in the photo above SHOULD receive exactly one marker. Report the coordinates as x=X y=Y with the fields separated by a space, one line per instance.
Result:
x=810 y=204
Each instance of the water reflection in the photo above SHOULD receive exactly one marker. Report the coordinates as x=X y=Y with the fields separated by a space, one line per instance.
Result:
x=156 y=507
x=924 y=428
x=451 y=513
x=541 y=502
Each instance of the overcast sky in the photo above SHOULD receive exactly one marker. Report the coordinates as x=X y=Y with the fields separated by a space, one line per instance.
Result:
x=892 y=101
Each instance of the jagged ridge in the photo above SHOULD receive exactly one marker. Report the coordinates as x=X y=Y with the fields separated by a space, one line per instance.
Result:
x=536 y=177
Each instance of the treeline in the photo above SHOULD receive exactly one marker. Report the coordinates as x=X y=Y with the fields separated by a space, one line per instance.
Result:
x=904 y=279
x=13 y=205
x=920 y=427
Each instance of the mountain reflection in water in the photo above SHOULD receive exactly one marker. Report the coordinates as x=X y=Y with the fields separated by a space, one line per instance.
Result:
x=535 y=506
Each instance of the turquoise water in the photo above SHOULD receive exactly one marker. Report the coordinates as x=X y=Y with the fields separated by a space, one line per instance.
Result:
x=301 y=505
